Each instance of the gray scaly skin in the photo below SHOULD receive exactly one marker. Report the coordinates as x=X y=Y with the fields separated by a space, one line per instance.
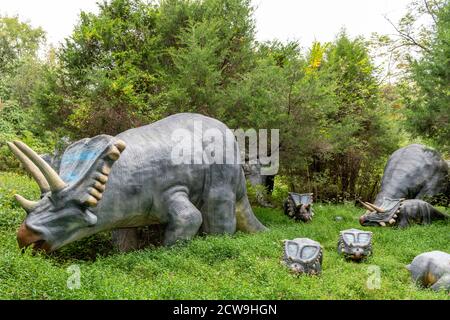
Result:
x=413 y=172
x=104 y=185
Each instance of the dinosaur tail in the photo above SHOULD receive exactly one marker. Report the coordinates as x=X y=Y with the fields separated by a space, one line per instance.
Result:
x=435 y=214
x=438 y=215
x=245 y=218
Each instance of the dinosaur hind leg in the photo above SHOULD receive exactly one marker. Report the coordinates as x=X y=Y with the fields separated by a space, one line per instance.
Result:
x=218 y=211
x=246 y=219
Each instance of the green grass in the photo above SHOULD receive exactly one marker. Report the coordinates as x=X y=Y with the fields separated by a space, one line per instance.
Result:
x=241 y=266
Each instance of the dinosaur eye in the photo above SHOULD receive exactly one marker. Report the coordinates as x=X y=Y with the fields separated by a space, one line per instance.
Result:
x=349 y=237
x=292 y=249
x=363 y=238
x=308 y=252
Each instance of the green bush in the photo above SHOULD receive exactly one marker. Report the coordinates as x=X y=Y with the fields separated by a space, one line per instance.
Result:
x=280 y=192
x=16 y=123
x=256 y=194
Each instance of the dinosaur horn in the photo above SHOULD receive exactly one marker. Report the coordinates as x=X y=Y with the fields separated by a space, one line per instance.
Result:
x=376 y=208
x=53 y=179
x=26 y=204
x=31 y=168
x=365 y=205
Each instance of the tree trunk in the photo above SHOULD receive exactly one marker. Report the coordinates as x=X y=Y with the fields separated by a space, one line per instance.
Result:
x=125 y=239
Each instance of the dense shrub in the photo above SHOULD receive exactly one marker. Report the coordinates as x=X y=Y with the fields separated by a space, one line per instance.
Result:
x=133 y=63
x=16 y=123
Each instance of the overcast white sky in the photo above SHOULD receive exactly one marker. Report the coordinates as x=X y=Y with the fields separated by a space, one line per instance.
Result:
x=303 y=20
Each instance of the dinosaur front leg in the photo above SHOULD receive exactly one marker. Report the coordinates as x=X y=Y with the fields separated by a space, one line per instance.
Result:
x=184 y=219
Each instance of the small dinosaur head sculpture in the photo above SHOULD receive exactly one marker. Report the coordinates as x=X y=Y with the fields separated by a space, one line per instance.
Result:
x=355 y=244
x=303 y=255
x=298 y=206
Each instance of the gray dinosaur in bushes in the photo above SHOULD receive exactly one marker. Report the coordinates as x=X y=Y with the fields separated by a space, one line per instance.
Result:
x=131 y=180
x=411 y=173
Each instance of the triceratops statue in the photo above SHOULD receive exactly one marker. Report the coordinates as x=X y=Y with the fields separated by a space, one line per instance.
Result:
x=298 y=206
x=355 y=244
x=303 y=256
x=411 y=174
x=414 y=172
x=130 y=181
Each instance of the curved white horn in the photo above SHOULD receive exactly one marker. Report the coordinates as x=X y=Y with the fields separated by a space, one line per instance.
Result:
x=53 y=179
x=376 y=208
x=26 y=204
x=31 y=168
x=365 y=205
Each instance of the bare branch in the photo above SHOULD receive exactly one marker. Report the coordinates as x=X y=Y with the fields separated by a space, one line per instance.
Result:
x=407 y=36
x=430 y=11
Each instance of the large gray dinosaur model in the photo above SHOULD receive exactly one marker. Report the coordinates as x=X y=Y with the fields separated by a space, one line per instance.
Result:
x=131 y=180
x=413 y=172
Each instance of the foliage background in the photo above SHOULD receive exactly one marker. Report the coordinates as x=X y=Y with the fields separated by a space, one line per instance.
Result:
x=137 y=61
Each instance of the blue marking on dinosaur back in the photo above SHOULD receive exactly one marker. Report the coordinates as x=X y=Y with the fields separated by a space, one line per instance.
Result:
x=71 y=177
x=78 y=164
x=83 y=156
x=80 y=156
